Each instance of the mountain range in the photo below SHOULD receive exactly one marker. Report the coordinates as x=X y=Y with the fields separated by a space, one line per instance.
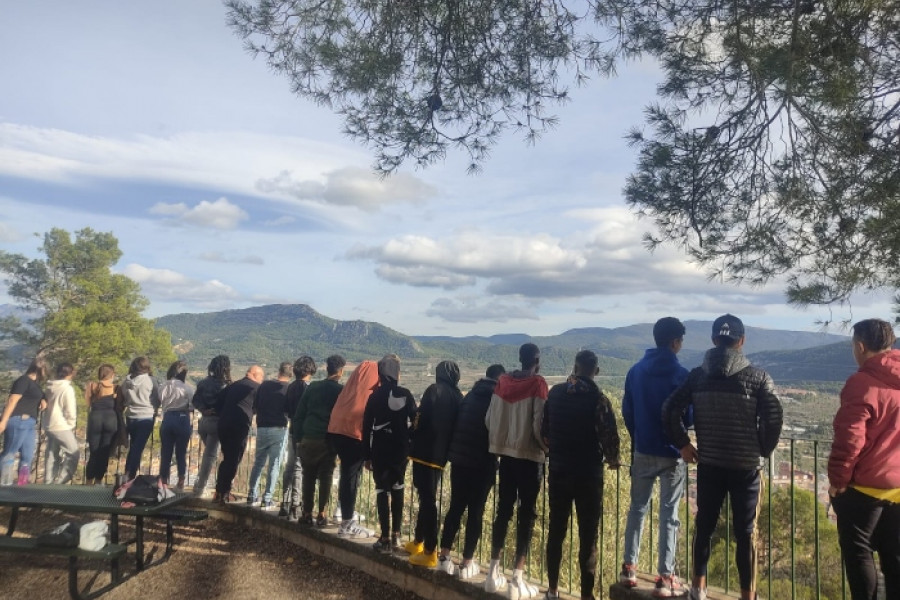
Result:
x=272 y=333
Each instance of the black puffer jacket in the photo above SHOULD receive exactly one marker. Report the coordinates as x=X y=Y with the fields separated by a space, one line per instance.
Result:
x=579 y=426
x=469 y=446
x=436 y=417
x=737 y=415
x=205 y=398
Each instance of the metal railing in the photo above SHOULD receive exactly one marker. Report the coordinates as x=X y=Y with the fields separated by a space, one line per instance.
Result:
x=797 y=545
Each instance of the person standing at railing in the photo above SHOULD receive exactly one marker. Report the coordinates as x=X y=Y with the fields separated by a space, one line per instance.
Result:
x=304 y=369
x=310 y=425
x=270 y=407
x=345 y=436
x=141 y=397
x=738 y=419
x=514 y=433
x=647 y=385
x=864 y=466
x=26 y=400
x=59 y=425
x=579 y=427
x=218 y=376
x=175 y=430
x=432 y=431
x=234 y=405
x=386 y=427
x=103 y=422
x=472 y=475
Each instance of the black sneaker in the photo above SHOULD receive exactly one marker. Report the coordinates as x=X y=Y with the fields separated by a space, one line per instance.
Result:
x=321 y=521
x=382 y=546
x=293 y=514
x=306 y=520
x=283 y=512
x=395 y=543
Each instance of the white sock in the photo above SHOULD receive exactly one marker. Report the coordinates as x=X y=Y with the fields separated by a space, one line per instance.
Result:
x=495 y=566
x=517 y=574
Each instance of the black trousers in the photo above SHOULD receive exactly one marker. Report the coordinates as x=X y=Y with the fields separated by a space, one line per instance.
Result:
x=103 y=424
x=520 y=479
x=586 y=492
x=233 y=439
x=744 y=487
x=426 y=481
x=469 y=489
x=867 y=525
x=350 y=451
x=389 y=488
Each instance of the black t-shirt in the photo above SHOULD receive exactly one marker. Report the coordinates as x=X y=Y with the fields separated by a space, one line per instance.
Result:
x=31 y=396
x=271 y=404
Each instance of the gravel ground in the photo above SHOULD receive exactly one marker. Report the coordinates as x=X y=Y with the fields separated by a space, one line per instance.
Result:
x=213 y=559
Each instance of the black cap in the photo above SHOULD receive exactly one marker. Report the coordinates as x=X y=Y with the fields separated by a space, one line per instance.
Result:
x=728 y=326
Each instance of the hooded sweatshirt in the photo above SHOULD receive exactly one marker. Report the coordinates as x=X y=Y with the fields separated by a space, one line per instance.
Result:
x=141 y=396
x=737 y=415
x=514 y=418
x=436 y=417
x=648 y=383
x=347 y=415
x=469 y=446
x=176 y=395
x=61 y=408
x=866 y=448
x=387 y=421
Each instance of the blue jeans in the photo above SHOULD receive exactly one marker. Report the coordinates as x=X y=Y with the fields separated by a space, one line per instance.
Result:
x=645 y=470
x=174 y=434
x=139 y=431
x=270 y=443
x=19 y=438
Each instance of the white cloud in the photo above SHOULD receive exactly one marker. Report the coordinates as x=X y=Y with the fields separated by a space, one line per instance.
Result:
x=219 y=257
x=282 y=220
x=350 y=186
x=9 y=234
x=475 y=310
x=170 y=286
x=220 y=214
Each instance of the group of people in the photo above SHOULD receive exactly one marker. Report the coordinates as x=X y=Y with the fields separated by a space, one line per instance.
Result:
x=499 y=433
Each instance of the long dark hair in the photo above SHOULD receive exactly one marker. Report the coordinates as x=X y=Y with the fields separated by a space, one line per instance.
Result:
x=177 y=370
x=220 y=368
x=140 y=366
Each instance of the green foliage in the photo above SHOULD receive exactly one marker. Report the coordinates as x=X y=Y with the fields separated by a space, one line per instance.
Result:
x=773 y=146
x=414 y=79
x=82 y=311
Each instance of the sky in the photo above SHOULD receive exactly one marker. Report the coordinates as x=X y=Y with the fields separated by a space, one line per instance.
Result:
x=149 y=120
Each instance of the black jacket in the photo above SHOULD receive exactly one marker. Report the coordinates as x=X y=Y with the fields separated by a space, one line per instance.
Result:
x=207 y=390
x=436 y=417
x=579 y=426
x=293 y=394
x=387 y=420
x=737 y=415
x=235 y=403
x=469 y=445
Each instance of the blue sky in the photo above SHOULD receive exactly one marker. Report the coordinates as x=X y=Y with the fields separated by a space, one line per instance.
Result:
x=225 y=191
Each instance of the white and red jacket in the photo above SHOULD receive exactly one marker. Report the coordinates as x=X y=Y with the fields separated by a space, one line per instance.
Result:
x=515 y=415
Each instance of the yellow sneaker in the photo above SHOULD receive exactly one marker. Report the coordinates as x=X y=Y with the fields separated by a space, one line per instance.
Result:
x=423 y=559
x=412 y=547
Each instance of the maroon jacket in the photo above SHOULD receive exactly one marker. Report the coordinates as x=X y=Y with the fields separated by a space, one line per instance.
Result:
x=866 y=448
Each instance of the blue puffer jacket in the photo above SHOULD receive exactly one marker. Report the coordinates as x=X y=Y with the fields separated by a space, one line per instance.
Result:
x=648 y=383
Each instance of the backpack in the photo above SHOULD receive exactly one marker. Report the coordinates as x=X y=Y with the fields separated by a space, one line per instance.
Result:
x=143 y=490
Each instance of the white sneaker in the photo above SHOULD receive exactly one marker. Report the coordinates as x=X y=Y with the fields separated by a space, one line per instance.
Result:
x=494 y=582
x=697 y=594
x=337 y=518
x=351 y=530
x=519 y=589
x=446 y=565
x=469 y=571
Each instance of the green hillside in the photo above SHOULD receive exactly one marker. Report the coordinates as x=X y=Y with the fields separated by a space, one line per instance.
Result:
x=270 y=334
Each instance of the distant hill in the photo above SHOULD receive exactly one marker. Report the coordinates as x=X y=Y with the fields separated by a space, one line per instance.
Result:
x=269 y=334
x=833 y=362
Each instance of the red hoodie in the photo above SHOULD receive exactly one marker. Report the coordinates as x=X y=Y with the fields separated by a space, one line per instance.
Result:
x=866 y=448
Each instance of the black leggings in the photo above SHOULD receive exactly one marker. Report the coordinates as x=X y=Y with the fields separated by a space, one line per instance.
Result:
x=426 y=481
x=389 y=490
x=102 y=426
x=744 y=487
x=469 y=489
x=233 y=438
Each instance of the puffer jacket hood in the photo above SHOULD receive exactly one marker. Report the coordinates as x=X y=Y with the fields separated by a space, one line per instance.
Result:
x=448 y=372
x=720 y=362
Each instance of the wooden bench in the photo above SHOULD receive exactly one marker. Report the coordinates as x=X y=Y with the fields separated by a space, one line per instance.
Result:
x=112 y=553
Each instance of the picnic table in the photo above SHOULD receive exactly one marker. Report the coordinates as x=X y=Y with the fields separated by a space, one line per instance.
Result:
x=97 y=499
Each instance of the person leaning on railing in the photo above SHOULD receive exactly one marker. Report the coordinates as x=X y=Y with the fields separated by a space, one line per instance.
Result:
x=218 y=376
x=26 y=399
x=864 y=465
x=103 y=422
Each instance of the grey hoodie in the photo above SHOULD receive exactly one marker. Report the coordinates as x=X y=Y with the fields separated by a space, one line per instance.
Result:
x=61 y=409
x=141 y=396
